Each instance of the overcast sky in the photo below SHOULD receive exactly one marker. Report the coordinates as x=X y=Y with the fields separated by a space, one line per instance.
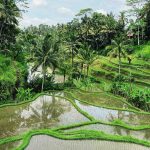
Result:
x=60 y=11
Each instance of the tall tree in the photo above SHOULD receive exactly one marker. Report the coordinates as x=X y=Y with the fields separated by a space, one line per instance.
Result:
x=9 y=15
x=87 y=56
x=72 y=40
x=117 y=49
x=122 y=22
x=146 y=14
x=46 y=57
x=136 y=11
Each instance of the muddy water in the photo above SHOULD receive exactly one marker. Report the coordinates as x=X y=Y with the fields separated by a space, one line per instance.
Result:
x=101 y=99
x=114 y=130
x=43 y=142
x=110 y=115
x=45 y=112
x=10 y=146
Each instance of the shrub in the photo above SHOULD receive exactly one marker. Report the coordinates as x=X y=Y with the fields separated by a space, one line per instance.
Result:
x=85 y=84
x=12 y=76
x=37 y=83
x=5 y=93
x=98 y=72
x=121 y=78
x=109 y=76
x=23 y=94
x=106 y=87
x=138 y=98
x=94 y=80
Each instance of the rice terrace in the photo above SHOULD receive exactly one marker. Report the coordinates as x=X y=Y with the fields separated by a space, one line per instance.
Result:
x=74 y=75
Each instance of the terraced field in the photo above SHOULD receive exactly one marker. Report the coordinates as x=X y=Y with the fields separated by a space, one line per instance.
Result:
x=72 y=115
x=107 y=69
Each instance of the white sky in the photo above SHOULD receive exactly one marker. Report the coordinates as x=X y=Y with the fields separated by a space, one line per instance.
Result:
x=60 y=11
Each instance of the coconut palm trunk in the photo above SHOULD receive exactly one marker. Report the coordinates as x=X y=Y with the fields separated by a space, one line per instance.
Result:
x=84 y=72
x=142 y=33
x=1 y=30
x=64 y=76
x=72 y=57
x=43 y=83
x=43 y=80
x=119 y=56
x=87 y=70
x=81 y=70
x=138 y=35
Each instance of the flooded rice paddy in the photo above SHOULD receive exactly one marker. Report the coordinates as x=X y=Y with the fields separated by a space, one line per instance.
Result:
x=109 y=115
x=47 y=112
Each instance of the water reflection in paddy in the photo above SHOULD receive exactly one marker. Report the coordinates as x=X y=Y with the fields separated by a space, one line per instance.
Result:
x=45 y=112
x=101 y=99
x=115 y=130
x=10 y=146
x=110 y=115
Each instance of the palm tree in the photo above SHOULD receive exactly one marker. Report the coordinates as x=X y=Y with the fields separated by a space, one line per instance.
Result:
x=65 y=68
x=46 y=57
x=117 y=49
x=87 y=56
x=9 y=14
x=137 y=11
x=71 y=39
x=122 y=21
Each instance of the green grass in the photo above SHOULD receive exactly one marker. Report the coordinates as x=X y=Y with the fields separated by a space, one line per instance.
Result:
x=7 y=71
x=118 y=123
x=73 y=135
x=143 y=51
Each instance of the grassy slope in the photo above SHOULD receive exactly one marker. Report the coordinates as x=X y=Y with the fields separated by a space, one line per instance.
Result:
x=142 y=51
x=106 y=69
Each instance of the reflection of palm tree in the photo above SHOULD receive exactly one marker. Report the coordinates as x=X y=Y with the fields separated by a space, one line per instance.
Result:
x=131 y=118
x=10 y=145
x=117 y=130
x=27 y=116
x=127 y=117
x=49 y=111
x=120 y=116
x=121 y=131
x=147 y=134
x=11 y=121
x=138 y=119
